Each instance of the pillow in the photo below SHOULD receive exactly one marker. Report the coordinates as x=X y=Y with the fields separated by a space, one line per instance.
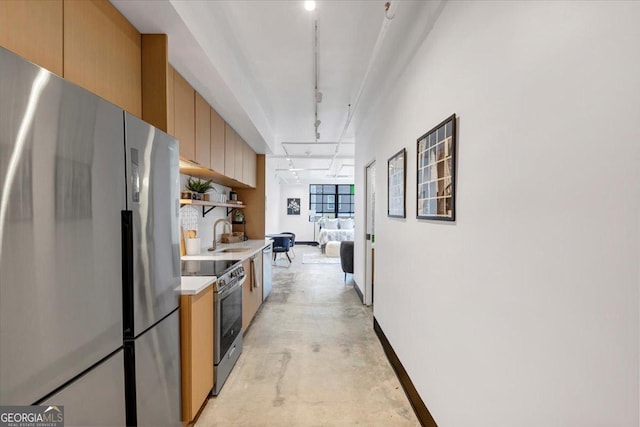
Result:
x=330 y=224
x=346 y=223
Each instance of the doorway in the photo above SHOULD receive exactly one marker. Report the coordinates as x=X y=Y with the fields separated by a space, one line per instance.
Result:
x=370 y=239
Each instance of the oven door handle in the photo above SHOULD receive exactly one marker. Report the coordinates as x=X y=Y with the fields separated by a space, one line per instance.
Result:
x=233 y=287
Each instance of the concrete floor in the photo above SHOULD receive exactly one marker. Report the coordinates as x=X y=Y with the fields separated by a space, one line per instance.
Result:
x=310 y=358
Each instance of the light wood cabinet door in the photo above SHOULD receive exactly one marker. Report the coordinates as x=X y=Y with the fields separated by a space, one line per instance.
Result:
x=217 y=142
x=33 y=30
x=229 y=151
x=251 y=290
x=171 y=122
x=254 y=168
x=102 y=53
x=196 y=336
x=203 y=132
x=184 y=116
x=239 y=158
x=255 y=200
x=155 y=80
x=249 y=166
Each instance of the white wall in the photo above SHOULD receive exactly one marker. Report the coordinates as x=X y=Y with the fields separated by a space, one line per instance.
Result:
x=272 y=188
x=204 y=225
x=525 y=311
x=298 y=224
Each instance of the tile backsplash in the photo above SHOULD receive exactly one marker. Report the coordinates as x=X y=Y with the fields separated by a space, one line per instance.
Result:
x=191 y=216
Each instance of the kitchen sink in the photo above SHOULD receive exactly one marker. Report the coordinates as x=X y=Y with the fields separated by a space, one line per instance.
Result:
x=233 y=250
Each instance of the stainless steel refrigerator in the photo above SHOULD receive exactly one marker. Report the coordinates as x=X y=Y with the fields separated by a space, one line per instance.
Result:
x=151 y=276
x=89 y=254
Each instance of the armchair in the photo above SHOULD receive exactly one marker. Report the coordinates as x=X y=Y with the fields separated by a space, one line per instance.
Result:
x=346 y=258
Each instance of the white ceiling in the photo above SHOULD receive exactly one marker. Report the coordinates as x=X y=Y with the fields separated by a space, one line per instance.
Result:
x=253 y=61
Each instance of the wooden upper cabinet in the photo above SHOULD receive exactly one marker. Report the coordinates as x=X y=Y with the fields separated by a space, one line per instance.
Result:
x=184 y=116
x=155 y=80
x=249 y=166
x=229 y=151
x=102 y=53
x=217 y=141
x=33 y=30
x=239 y=158
x=203 y=132
x=171 y=122
x=255 y=201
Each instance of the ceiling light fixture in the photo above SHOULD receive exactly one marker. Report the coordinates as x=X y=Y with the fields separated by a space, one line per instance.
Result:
x=310 y=5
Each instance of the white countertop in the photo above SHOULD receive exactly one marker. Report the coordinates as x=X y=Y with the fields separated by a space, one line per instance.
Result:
x=193 y=285
x=252 y=247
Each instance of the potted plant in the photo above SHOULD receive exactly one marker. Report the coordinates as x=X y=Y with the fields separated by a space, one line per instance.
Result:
x=199 y=187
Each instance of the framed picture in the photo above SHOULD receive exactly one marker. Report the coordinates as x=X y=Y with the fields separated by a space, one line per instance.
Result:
x=293 y=206
x=436 y=190
x=396 y=184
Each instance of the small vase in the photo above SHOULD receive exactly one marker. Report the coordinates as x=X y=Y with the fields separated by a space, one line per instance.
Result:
x=205 y=197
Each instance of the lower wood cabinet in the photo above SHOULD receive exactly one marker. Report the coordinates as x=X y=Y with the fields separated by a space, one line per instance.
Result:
x=196 y=336
x=252 y=289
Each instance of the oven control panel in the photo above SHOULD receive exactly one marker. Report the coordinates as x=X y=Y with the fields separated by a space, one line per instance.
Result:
x=230 y=277
x=237 y=273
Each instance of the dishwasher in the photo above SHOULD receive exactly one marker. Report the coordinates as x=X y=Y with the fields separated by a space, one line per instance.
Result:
x=266 y=271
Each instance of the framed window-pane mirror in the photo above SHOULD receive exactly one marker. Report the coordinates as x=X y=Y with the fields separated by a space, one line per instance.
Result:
x=436 y=172
x=396 y=184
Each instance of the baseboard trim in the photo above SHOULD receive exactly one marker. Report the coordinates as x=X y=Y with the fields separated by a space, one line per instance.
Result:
x=358 y=291
x=423 y=414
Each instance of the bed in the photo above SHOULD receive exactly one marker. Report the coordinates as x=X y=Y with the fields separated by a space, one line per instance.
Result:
x=329 y=234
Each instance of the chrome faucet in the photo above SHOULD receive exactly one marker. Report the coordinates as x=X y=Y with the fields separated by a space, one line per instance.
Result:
x=215 y=224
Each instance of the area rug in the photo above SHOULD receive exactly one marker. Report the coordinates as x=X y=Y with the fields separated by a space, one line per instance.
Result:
x=319 y=259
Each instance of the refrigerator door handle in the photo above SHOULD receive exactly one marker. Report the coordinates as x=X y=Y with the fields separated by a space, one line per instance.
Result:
x=127 y=273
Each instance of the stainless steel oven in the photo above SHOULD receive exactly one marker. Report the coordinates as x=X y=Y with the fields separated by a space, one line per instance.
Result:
x=227 y=300
x=228 y=318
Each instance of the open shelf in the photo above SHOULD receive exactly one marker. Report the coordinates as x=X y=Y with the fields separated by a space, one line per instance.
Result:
x=212 y=205
x=206 y=203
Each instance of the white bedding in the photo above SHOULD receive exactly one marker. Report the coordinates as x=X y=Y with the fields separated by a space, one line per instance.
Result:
x=334 y=235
